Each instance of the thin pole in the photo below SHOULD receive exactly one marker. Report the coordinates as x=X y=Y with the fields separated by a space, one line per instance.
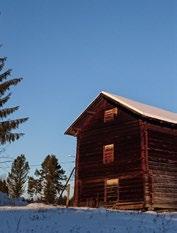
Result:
x=66 y=183
x=68 y=194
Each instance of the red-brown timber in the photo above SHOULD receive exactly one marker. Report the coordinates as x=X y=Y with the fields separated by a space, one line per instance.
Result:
x=144 y=164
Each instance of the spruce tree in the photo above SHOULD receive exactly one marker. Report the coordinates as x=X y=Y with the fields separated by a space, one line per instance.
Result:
x=18 y=176
x=34 y=188
x=7 y=127
x=3 y=186
x=50 y=177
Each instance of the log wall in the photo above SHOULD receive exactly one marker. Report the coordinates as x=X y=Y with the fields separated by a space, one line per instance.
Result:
x=145 y=160
x=162 y=163
x=124 y=133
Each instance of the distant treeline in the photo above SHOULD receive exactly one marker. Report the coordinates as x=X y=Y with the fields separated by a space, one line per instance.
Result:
x=45 y=186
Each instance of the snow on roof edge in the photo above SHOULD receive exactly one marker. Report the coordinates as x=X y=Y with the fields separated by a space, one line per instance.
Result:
x=140 y=108
x=144 y=109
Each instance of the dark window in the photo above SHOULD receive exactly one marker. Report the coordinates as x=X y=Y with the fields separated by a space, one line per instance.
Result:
x=108 y=153
x=109 y=115
x=111 y=191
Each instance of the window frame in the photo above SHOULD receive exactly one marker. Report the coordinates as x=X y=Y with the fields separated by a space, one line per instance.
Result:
x=111 y=185
x=108 y=153
x=110 y=114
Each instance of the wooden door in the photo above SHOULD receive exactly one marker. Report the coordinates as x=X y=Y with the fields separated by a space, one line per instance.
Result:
x=111 y=191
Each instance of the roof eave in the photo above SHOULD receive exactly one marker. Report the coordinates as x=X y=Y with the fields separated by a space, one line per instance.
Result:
x=71 y=131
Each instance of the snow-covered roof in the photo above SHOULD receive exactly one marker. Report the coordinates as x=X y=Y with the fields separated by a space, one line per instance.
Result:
x=144 y=109
x=136 y=107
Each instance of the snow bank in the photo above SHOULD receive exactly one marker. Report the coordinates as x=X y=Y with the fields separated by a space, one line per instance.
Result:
x=6 y=201
x=61 y=220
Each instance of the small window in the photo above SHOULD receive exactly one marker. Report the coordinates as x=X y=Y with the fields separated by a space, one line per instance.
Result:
x=111 y=191
x=108 y=153
x=112 y=182
x=109 y=115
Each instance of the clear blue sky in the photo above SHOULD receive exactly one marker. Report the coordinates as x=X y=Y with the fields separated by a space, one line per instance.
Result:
x=68 y=51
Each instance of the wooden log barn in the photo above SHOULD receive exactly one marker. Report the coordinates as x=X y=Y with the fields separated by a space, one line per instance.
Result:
x=126 y=155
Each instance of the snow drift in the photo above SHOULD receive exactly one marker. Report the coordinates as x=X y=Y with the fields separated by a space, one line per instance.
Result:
x=7 y=201
x=41 y=219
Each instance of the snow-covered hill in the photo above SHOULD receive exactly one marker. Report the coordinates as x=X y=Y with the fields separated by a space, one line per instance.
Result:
x=6 y=201
x=44 y=219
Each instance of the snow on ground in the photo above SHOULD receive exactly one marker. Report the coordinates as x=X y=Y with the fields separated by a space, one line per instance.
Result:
x=39 y=218
x=5 y=200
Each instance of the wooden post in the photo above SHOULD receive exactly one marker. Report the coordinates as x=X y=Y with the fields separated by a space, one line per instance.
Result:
x=65 y=186
x=144 y=165
x=68 y=194
x=76 y=182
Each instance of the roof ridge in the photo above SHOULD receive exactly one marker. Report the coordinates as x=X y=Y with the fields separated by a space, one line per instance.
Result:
x=144 y=109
